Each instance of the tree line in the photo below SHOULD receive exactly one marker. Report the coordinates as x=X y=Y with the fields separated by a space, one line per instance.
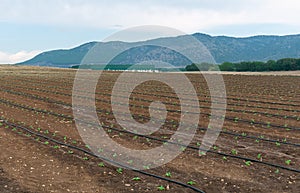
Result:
x=285 y=64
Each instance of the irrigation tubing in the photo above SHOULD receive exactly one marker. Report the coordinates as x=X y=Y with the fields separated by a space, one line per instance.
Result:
x=175 y=111
x=103 y=158
x=152 y=138
x=201 y=128
x=232 y=97
x=257 y=101
x=169 y=103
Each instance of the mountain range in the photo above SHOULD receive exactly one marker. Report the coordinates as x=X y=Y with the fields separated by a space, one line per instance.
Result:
x=222 y=49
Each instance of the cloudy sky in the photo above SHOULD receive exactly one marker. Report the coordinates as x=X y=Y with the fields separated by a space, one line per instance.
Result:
x=29 y=27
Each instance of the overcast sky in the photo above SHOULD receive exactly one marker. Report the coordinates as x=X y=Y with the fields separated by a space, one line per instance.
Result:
x=29 y=27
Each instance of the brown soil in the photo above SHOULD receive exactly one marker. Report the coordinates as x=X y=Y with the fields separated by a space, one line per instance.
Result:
x=28 y=165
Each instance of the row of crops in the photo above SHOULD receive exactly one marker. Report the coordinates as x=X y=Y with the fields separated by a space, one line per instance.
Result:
x=268 y=126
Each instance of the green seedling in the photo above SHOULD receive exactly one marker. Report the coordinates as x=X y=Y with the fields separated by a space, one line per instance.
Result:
x=120 y=170
x=168 y=174
x=191 y=183
x=288 y=162
x=85 y=158
x=234 y=152
x=136 y=179
x=70 y=152
x=161 y=188
x=248 y=163
x=259 y=156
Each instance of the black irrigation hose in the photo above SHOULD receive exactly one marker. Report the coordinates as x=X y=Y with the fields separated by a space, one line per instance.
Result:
x=233 y=97
x=228 y=97
x=210 y=151
x=236 y=99
x=103 y=158
x=169 y=103
x=175 y=111
x=224 y=154
x=103 y=111
x=203 y=129
x=214 y=152
x=161 y=140
x=258 y=138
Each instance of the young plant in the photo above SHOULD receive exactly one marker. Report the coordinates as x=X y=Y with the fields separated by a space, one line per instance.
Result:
x=248 y=163
x=191 y=183
x=161 y=188
x=168 y=174
x=234 y=152
x=85 y=158
x=259 y=156
x=288 y=162
x=70 y=152
x=136 y=179
x=120 y=170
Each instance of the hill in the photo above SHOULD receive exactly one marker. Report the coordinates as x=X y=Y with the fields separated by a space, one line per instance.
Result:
x=222 y=48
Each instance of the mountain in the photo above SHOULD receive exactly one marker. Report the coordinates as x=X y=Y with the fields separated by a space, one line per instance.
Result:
x=222 y=48
x=60 y=58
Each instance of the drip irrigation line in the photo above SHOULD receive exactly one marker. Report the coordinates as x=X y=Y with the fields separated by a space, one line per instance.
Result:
x=200 y=128
x=103 y=158
x=233 y=97
x=174 y=111
x=257 y=101
x=152 y=138
x=177 y=105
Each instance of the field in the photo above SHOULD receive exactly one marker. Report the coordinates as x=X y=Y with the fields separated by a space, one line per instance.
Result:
x=258 y=149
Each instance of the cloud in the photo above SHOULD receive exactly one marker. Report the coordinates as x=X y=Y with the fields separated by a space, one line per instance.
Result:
x=188 y=15
x=9 y=58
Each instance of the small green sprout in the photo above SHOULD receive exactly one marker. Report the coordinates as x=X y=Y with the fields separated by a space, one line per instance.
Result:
x=136 y=179
x=120 y=170
x=85 y=158
x=161 y=188
x=248 y=163
x=70 y=152
x=191 y=183
x=288 y=162
x=259 y=156
x=234 y=152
